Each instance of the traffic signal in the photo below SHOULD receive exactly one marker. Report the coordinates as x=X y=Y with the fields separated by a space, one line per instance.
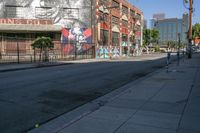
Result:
x=186 y=1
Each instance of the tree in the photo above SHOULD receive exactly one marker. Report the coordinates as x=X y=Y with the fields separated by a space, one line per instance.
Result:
x=43 y=44
x=147 y=37
x=196 y=30
x=150 y=36
x=154 y=36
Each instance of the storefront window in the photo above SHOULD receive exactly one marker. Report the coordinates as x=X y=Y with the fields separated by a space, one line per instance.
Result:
x=104 y=37
x=115 y=38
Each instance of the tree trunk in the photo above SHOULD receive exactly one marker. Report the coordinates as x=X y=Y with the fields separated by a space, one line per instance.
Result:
x=46 y=55
x=40 y=54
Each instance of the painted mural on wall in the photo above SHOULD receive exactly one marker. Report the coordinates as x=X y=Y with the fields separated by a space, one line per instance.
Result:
x=78 y=39
x=107 y=52
x=68 y=13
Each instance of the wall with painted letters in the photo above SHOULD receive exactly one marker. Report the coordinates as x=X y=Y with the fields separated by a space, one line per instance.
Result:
x=68 y=13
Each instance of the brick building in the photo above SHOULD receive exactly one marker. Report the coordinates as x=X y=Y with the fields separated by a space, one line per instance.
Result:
x=119 y=26
x=109 y=27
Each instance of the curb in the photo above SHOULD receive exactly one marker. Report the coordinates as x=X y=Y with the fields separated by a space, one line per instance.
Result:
x=35 y=66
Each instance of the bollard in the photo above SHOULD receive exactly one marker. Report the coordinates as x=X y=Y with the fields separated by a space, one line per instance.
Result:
x=178 y=58
x=168 y=61
x=183 y=55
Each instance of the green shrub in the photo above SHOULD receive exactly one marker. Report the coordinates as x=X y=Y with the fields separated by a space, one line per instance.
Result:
x=157 y=48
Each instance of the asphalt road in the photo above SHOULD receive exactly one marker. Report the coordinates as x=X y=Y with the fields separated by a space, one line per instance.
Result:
x=35 y=96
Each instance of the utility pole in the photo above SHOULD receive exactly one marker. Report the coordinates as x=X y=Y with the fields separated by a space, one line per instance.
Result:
x=190 y=29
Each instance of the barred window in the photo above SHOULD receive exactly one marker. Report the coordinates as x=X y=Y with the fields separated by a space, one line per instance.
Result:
x=16 y=11
x=115 y=38
x=124 y=10
x=138 y=16
x=115 y=4
x=103 y=17
x=115 y=20
x=131 y=25
x=104 y=37
x=124 y=23
x=132 y=13
x=102 y=2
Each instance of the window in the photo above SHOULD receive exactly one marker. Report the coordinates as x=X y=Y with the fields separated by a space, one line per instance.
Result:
x=115 y=4
x=179 y=26
x=170 y=31
x=42 y=12
x=102 y=2
x=115 y=38
x=16 y=11
x=104 y=37
x=124 y=10
x=103 y=17
x=132 y=13
x=124 y=23
x=174 y=31
x=138 y=16
x=71 y=13
x=115 y=20
x=124 y=37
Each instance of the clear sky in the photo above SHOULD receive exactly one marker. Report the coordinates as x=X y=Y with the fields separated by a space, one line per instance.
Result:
x=171 y=8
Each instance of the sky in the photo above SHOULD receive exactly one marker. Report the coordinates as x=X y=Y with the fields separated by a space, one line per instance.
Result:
x=171 y=8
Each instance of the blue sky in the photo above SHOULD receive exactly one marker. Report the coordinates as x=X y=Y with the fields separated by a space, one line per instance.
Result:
x=171 y=8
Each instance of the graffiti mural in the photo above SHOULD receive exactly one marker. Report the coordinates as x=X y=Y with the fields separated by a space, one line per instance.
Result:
x=115 y=51
x=67 y=13
x=107 y=52
x=78 y=39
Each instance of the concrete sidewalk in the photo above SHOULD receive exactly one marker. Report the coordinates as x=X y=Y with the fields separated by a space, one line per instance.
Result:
x=162 y=102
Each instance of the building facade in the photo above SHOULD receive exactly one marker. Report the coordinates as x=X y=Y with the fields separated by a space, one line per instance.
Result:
x=119 y=28
x=145 y=24
x=23 y=21
x=159 y=16
x=170 y=29
x=155 y=18
x=111 y=26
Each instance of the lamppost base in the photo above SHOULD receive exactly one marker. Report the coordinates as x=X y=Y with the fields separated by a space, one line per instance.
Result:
x=189 y=55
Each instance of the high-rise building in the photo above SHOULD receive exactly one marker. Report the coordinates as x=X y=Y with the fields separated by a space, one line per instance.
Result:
x=145 y=24
x=171 y=27
x=159 y=16
x=156 y=17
